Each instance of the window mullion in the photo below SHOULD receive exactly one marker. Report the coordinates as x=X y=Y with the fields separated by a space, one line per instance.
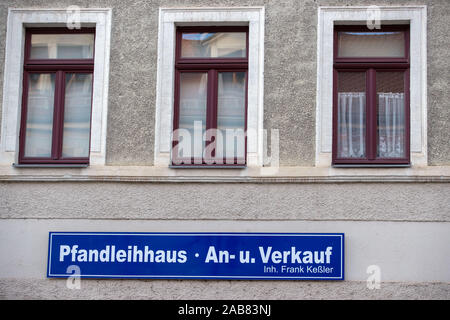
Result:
x=61 y=112
x=211 y=109
x=371 y=115
x=214 y=98
x=58 y=116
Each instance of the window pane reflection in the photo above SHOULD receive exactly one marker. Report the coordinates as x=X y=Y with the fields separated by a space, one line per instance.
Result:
x=192 y=118
x=39 y=126
x=231 y=114
x=371 y=44
x=62 y=46
x=214 y=45
x=77 y=115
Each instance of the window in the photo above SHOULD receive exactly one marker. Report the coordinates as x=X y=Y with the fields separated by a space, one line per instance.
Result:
x=57 y=96
x=371 y=96
x=210 y=105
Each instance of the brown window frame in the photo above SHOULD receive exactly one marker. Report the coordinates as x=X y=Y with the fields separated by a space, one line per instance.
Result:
x=371 y=65
x=211 y=66
x=59 y=67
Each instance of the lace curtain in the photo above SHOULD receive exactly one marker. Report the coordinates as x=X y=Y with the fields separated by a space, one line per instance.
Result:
x=352 y=125
x=391 y=125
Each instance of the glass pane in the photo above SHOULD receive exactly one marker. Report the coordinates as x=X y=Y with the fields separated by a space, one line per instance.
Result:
x=77 y=115
x=214 y=45
x=39 y=127
x=62 y=46
x=391 y=114
x=351 y=127
x=192 y=118
x=231 y=115
x=371 y=44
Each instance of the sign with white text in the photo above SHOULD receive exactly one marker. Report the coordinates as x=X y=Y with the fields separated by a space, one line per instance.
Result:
x=251 y=256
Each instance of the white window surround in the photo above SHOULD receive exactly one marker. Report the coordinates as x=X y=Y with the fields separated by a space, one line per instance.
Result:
x=416 y=16
x=169 y=18
x=18 y=19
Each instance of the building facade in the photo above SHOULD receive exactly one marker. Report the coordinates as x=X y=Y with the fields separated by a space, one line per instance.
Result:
x=338 y=113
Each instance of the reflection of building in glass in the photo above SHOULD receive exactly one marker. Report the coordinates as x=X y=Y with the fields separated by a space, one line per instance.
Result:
x=77 y=114
x=213 y=45
x=62 y=46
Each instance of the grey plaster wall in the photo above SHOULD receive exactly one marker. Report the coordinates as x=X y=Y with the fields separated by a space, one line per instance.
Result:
x=290 y=73
x=232 y=201
x=438 y=83
x=228 y=290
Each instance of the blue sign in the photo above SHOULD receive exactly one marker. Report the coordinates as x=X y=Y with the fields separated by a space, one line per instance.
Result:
x=262 y=256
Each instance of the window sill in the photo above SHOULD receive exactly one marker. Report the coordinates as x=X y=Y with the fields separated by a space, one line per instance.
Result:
x=17 y=165
x=207 y=167
x=250 y=174
x=406 y=165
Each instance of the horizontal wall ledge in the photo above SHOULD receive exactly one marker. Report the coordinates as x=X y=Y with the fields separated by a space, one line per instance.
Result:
x=144 y=179
x=151 y=174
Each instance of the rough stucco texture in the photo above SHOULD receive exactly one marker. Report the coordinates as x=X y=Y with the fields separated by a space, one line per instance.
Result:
x=228 y=290
x=381 y=202
x=290 y=73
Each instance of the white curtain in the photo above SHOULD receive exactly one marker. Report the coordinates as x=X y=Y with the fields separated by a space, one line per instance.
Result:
x=391 y=125
x=351 y=124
